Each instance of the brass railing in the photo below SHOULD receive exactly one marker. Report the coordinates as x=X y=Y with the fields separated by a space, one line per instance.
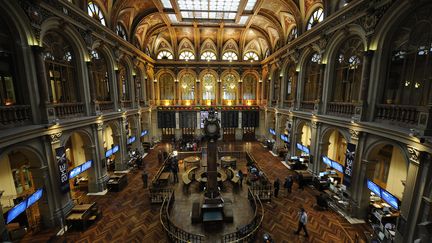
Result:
x=174 y=233
x=398 y=113
x=341 y=108
x=247 y=233
x=67 y=110
x=15 y=115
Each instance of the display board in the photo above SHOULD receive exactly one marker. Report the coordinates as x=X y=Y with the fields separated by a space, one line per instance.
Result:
x=80 y=169
x=22 y=206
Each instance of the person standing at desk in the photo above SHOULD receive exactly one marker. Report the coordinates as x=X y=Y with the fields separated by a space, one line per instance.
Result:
x=175 y=169
x=288 y=184
x=276 y=186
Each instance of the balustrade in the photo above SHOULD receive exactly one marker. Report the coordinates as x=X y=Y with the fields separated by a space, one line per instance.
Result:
x=288 y=103
x=398 y=113
x=307 y=105
x=15 y=115
x=106 y=105
x=66 y=110
x=126 y=103
x=341 y=108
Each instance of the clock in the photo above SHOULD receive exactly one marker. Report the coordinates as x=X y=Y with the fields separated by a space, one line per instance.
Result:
x=211 y=126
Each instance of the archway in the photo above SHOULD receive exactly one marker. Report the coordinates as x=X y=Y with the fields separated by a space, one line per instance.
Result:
x=304 y=137
x=79 y=150
x=19 y=178
x=110 y=135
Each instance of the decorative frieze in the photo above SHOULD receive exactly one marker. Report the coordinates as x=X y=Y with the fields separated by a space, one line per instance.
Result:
x=55 y=137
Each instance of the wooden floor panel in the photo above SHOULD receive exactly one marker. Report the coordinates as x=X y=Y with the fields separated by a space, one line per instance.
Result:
x=128 y=216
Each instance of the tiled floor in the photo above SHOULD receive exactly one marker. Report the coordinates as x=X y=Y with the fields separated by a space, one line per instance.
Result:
x=128 y=215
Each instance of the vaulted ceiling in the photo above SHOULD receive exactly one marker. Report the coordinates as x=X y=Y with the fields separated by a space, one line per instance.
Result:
x=261 y=25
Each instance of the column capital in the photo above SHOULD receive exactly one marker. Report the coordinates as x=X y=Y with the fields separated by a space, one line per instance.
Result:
x=55 y=137
x=414 y=155
x=354 y=134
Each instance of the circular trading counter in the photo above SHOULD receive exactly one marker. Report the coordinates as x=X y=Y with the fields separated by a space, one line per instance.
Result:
x=191 y=161
x=202 y=176
x=228 y=161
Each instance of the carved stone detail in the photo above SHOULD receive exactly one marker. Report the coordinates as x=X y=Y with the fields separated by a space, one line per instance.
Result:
x=315 y=124
x=414 y=154
x=55 y=138
x=354 y=134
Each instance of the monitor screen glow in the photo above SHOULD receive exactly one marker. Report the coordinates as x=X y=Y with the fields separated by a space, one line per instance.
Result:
x=115 y=149
x=390 y=199
x=337 y=166
x=272 y=131
x=327 y=161
x=306 y=149
x=74 y=172
x=108 y=153
x=15 y=211
x=299 y=146
x=86 y=165
x=143 y=133
x=131 y=140
x=374 y=188
x=34 y=197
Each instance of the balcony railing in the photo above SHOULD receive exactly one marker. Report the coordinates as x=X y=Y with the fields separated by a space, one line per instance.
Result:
x=15 y=115
x=307 y=105
x=341 y=108
x=66 y=110
x=398 y=113
x=105 y=105
x=126 y=103
x=288 y=103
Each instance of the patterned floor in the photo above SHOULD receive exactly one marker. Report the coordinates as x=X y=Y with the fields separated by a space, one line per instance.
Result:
x=128 y=215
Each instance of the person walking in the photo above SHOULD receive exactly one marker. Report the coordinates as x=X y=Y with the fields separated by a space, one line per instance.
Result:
x=276 y=186
x=303 y=219
x=175 y=169
x=288 y=184
x=240 y=174
x=301 y=181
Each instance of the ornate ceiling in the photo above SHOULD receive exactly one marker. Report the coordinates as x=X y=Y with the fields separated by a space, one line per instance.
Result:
x=259 y=25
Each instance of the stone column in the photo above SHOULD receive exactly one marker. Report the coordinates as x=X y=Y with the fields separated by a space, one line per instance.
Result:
x=322 y=151
x=360 y=112
x=122 y=158
x=4 y=236
x=60 y=203
x=418 y=172
x=318 y=103
x=47 y=113
x=367 y=169
x=357 y=182
x=240 y=96
x=92 y=173
x=99 y=162
x=93 y=93
x=46 y=203
x=315 y=153
x=219 y=93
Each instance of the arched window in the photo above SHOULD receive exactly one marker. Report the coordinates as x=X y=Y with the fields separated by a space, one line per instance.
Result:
x=208 y=56
x=7 y=71
x=229 y=87
x=408 y=77
x=250 y=56
x=229 y=56
x=290 y=86
x=166 y=86
x=120 y=30
x=186 y=55
x=249 y=87
x=94 y=11
x=209 y=86
x=312 y=75
x=316 y=17
x=99 y=72
x=293 y=34
x=187 y=84
x=348 y=71
x=61 y=67
x=123 y=83
x=165 y=55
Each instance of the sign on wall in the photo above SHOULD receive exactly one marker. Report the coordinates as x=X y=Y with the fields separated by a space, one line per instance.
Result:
x=349 y=164
x=63 y=169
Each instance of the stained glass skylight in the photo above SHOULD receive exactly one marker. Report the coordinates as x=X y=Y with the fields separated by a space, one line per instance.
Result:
x=211 y=9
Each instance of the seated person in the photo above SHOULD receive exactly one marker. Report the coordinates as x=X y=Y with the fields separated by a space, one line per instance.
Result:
x=322 y=201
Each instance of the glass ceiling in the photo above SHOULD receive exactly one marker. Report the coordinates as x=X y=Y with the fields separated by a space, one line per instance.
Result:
x=210 y=9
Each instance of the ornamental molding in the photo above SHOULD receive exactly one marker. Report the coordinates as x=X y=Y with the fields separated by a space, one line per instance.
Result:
x=354 y=134
x=55 y=137
x=414 y=154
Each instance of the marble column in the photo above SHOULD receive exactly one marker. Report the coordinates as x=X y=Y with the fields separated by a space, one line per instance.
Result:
x=357 y=182
x=315 y=153
x=99 y=162
x=122 y=158
x=4 y=236
x=240 y=95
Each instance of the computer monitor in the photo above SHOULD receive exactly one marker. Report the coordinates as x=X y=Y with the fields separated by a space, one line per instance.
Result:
x=331 y=179
x=321 y=174
x=301 y=159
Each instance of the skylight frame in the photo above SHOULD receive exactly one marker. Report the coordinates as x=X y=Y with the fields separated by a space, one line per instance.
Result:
x=211 y=10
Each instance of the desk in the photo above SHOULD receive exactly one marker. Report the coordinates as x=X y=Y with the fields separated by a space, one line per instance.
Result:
x=191 y=161
x=117 y=182
x=212 y=216
x=81 y=215
x=228 y=161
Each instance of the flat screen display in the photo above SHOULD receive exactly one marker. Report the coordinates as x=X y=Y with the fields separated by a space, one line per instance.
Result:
x=143 y=133
x=327 y=161
x=294 y=157
x=34 y=197
x=374 y=188
x=108 y=153
x=337 y=166
x=115 y=149
x=299 y=147
x=306 y=149
x=272 y=131
x=131 y=140
x=284 y=138
x=390 y=199
x=86 y=165
x=74 y=172
x=15 y=211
